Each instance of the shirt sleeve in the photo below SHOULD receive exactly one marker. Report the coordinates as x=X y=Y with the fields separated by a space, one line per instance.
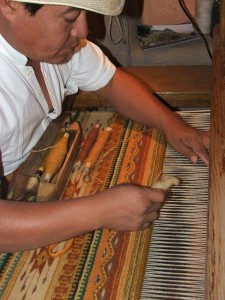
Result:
x=90 y=68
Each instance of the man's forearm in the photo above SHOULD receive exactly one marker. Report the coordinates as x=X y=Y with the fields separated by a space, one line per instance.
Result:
x=133 y=99
x=31 y=225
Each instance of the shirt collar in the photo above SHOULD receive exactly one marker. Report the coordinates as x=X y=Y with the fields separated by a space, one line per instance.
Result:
x=7 y=50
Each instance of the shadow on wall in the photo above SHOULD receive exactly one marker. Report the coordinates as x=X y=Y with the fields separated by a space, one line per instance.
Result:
x=115 y=35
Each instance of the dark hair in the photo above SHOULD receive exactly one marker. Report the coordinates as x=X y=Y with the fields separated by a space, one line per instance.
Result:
x=32 y=8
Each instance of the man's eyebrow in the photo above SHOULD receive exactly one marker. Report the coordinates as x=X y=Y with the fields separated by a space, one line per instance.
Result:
x=70 y=8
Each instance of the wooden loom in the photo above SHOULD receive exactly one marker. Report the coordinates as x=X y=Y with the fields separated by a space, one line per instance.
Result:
x=214 y=260
x=214 y=288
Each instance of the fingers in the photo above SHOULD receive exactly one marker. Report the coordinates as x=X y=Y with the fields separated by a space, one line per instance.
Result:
x=206 y=138
x=204 y=156
x=200 y=148
x=152 y=217
x=149 y=219
x=195 y=147
x=203 y=146
x=156 y=199
x=130 y=207
x=188 y=141
x=156 y=196
x=148 y=204
x=194 y=156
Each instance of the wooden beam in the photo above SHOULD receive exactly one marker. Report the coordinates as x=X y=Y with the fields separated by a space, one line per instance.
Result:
x=179 y=86
x=215 y=287
x=222 y=21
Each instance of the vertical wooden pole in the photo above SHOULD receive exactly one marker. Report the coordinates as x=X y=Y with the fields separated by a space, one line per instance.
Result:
x=222 y=21
x=215 y=283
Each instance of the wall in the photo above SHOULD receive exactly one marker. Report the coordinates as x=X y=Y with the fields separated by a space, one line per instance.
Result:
x=165 y=12
x=118 y=38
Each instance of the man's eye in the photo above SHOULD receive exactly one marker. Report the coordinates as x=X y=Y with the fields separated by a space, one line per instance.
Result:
x=70 y=21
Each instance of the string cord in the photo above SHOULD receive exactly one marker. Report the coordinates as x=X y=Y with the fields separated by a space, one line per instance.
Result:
x=123 y=28
x=43 y=149
x=188 y=14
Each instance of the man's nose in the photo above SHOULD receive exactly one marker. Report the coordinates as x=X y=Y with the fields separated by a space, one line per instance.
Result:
x=80 y=28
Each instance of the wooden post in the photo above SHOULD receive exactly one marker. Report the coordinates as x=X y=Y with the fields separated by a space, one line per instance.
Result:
x=215 y=283
x=222 y=21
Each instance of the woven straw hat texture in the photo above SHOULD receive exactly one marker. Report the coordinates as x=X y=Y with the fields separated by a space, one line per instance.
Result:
x=105 y=7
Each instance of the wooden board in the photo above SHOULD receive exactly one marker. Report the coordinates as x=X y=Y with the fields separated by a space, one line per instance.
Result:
x=215 y=287
x=47 y=191
x=179 y=86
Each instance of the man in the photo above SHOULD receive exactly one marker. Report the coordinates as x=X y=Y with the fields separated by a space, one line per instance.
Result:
x=44 y=57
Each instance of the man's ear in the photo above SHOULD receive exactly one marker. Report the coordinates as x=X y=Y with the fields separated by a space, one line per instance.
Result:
x=8 y=7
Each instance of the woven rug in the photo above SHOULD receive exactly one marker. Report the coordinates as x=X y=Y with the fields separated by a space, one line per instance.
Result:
x=104 y=264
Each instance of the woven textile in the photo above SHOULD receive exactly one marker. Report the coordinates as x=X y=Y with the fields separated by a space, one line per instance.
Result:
x=104 y=264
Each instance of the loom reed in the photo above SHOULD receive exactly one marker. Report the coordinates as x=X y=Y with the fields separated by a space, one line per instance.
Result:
x=177 y=256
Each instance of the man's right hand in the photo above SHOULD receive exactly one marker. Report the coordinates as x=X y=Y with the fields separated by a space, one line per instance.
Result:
x=129 y=207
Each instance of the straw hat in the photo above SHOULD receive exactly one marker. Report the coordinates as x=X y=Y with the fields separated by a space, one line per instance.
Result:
x=105 y=7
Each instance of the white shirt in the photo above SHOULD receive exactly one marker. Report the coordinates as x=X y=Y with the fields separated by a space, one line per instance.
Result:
x=24 y=112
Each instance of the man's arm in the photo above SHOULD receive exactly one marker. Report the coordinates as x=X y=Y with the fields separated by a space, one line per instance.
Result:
x=26 y=225
x=132 y=98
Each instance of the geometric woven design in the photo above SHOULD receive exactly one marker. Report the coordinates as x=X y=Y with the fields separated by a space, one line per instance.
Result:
x=104 y=264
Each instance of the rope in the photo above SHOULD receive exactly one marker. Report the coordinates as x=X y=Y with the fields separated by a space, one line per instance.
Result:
x=195 y=24
x=123 y=29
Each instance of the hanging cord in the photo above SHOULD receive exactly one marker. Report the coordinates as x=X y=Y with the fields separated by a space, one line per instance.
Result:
x=122 y=24
x=215 y=17
x=188 y=14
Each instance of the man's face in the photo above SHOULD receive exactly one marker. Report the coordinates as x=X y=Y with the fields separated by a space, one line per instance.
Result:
x=51 y=35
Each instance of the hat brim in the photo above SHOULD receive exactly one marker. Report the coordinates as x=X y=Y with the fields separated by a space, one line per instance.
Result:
x=109 y=7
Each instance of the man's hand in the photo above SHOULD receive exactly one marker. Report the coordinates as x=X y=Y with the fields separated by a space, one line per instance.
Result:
x=134 y=100
x=190 y=142
x=129 y=207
